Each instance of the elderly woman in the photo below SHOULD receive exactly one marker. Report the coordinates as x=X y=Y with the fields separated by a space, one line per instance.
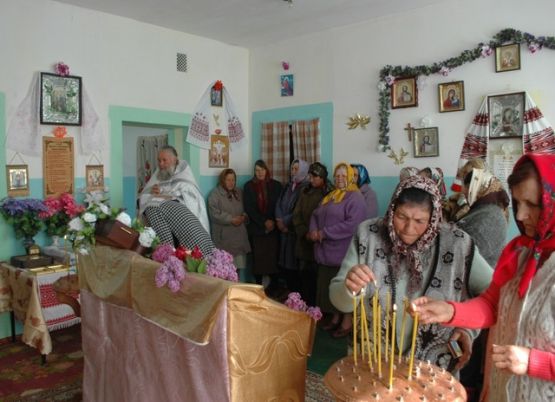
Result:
x=284 y=220
x=308 y=201
x=332 y=226
x=410 y=253
x=228 y=219
x=518 y=305
x=261 y=195
x=362 y=180
x=486 y=220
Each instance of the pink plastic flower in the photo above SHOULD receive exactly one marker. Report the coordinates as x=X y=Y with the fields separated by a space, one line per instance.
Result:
x=389 y=79
x=61 y=69
x=445 y=71
x=285 y=65
x=534 y=47
x=486 y=51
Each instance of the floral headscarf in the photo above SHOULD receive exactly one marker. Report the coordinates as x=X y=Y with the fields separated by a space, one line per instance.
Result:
x=412 y=252
x=485 y=188
x=407 y=171
x=337 y=195
x=436 y=174
x=544 y=242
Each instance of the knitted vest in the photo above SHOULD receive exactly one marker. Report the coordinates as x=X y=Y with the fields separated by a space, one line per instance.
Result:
x=448 y=264
x=528 y=322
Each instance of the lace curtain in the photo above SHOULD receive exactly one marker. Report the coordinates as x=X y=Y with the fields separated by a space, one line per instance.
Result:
x=147 y=157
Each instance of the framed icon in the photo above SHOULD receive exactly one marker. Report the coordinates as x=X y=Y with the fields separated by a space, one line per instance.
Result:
x=95 y=177
x=426 y=142
x=451 y=96
x=17 y=178
x=507 y=58
x=404 y=93
x=506 y=115
x=60 y=99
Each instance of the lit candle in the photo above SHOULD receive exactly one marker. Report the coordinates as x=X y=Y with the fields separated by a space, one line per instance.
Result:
x=413 y=344
x=392 y=359
x=402 y=334
x=355 y=301
x=387 y=312
x=379 y=341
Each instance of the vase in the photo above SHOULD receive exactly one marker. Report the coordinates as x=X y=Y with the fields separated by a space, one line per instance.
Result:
x=28 y=241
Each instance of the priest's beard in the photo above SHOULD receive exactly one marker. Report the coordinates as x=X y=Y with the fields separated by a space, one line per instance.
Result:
x=166 y=174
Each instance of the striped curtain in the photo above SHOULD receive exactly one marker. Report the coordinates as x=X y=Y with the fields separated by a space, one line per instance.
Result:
x=275 y=149
x=147 y=157
x=306 y=140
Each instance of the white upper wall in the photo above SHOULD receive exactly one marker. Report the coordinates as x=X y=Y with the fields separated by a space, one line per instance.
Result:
x=122 y=62
x=342 y=66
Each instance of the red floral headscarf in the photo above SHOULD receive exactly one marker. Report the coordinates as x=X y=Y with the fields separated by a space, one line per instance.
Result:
x=544 y=242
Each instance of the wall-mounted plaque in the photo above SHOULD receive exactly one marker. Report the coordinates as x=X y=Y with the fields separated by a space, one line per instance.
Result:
x=57 y=165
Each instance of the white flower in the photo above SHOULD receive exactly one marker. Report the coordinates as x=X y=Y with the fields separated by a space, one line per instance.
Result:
x=89 y=218
x=83 y=250
x=146 y=237
x=104 y=208
x=381 y=86
x=76 y=224
x=444 y=71
x=124 y=218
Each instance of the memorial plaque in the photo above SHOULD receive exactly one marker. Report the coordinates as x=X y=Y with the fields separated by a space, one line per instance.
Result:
x=57 y=165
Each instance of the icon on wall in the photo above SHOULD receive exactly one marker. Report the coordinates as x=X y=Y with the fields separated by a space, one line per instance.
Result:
x=287 y=85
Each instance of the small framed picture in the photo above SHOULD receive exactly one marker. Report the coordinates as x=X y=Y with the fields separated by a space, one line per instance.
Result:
x=95 y=177
x=451 y=96
x=507 y=58
x=18 y=180
x=404 y=93
x=216 y=96
x=287 y=84
x=60 y=99
x=506 y=115
x=219 y=151
x=426 y=142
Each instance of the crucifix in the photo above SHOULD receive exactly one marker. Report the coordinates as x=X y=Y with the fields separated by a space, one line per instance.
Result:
x=409 y=131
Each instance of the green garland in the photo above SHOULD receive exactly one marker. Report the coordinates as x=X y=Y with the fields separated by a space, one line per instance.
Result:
x=388 y=73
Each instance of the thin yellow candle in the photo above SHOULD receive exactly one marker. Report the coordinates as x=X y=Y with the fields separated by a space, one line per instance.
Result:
x=374 y=322
x=387 y=312
x=379 y=341
x=392 y=359
x=402 y=334
x=355 y=301
x=364 y=327
x=413 y=344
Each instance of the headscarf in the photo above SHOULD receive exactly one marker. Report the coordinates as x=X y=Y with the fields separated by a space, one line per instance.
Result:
x=407 y=172
x=475 y=163
x=436 y=174
x=363 y=176
x=317 y=169
x=485 y=188
x=543 y=244
x=301 y=175
x=221 y=180
x=261 y=187
x=337 y=194
x=412 y=252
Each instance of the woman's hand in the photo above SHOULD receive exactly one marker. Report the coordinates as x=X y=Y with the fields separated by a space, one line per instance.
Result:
x=281 y=226
x=358 y=277
x=269 y=225
x=463 y=339
x=155 y=189
x=237 y=220
x=511 y=358
x=431 y=311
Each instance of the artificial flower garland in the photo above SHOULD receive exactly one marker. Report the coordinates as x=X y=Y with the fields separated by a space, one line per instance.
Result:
x=388 y=74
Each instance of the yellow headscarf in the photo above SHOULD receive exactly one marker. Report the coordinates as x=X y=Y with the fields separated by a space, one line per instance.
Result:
x=337 y=195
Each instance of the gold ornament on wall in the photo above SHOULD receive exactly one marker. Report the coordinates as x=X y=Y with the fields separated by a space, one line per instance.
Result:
x=358 y=120
x=398 y=159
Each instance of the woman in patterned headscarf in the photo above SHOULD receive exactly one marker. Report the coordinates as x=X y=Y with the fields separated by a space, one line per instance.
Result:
x=362 y=179
x=284 y=221
x=332 y=226
x=487 y=219
x=518 y=305
x=409 y=253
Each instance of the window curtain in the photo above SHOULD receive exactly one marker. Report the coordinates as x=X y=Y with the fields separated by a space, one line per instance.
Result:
x=306 y=140
x=275 y=146
x=147 y=157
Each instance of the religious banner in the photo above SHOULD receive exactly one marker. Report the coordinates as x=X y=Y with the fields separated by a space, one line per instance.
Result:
x=57 y=165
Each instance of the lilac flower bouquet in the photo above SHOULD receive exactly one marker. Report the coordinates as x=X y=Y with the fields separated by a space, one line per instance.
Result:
x=23 y=215
x=295 y=302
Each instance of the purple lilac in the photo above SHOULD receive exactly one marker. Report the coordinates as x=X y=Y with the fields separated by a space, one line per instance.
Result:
x=163 y=252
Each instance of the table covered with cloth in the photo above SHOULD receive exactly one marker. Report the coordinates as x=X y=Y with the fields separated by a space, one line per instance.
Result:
x=213 y=340
x=30 y=295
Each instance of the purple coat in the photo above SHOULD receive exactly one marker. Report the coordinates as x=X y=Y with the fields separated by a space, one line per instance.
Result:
x=338 y=223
